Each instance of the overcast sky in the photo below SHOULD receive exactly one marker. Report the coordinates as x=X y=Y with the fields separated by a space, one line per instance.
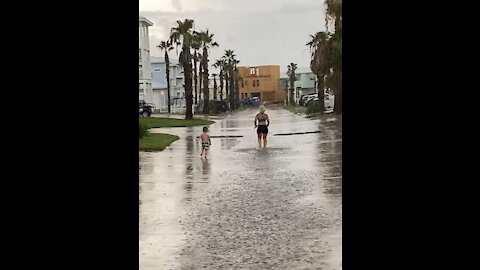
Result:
x=261 y=32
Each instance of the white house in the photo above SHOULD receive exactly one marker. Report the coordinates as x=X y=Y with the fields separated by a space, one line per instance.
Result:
x=145 y=92
x=305 y=82
x=159 y=84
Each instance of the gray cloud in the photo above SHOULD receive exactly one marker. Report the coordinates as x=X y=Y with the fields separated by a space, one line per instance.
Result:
x=260 y=32
x=177 y=5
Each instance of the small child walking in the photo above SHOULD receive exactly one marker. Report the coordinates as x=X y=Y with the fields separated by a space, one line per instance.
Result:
x=205 y=138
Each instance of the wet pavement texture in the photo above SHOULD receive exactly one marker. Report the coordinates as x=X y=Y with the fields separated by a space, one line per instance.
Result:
x=244 y=207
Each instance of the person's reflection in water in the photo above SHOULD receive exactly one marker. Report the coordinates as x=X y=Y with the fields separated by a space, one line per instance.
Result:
x=189 y=159
x=205 y=167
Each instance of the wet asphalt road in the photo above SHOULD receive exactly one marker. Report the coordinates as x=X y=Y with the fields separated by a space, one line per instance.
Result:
x=244 y=207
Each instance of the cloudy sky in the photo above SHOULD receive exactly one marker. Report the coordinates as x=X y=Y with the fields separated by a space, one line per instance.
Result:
x=261 y=32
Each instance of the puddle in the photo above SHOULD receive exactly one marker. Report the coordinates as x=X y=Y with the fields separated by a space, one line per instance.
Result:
x=296 y=133
x=224 y=136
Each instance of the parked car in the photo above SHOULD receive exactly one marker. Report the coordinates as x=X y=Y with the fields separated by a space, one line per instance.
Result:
x=304 y=99
x=310 y=98
x=245 y=102
x=329 y=101
x=250 y=101
x=145 y=110
x=221 y=106
x=255 y=101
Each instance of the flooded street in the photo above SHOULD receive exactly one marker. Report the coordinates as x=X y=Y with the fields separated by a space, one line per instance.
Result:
x=244 y=207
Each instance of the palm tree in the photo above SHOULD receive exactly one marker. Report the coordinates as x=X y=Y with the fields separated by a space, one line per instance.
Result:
x=181 y=35
x=200 y=75
x=334 y=13
x=239 y=80
x=229 y=65
x=335 y=61
x=231 y=78
x=220 y=64
x=195 y=47
x=214 y=86
x=227 y=81
x=206 y=41
x=291 y=75
x=237 y=86
x=167 y=46
x=290 y=96
x=319 y=62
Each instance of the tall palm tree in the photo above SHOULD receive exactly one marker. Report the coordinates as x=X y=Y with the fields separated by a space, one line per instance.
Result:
x=167 y=46
x=214 y=86
x=220 y=64
x=319 y=62
x=236 y=84
x=200 y=75
x=333 y=12
x=195 y=47
x=227 y=81
x=181 y=35
x=291 y=75
x=206 y=41
x=335 y=61
x=289 y=95
x=231 y=78
x=229 y=57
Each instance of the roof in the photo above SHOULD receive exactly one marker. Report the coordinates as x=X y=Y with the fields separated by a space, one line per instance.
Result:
x=144 y=21
x=157 y=59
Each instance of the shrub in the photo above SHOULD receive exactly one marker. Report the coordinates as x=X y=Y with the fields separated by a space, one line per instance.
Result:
x=313 y=106
x=212 y=104
x=142 y=129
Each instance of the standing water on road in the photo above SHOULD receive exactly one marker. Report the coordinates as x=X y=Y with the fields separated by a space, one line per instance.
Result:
x=244 y=207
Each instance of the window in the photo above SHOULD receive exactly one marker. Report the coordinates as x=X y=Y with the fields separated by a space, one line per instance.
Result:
x=258 y=83
x=243 y=84
x=253 y=83
x=252 y=71
x=246 y=83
